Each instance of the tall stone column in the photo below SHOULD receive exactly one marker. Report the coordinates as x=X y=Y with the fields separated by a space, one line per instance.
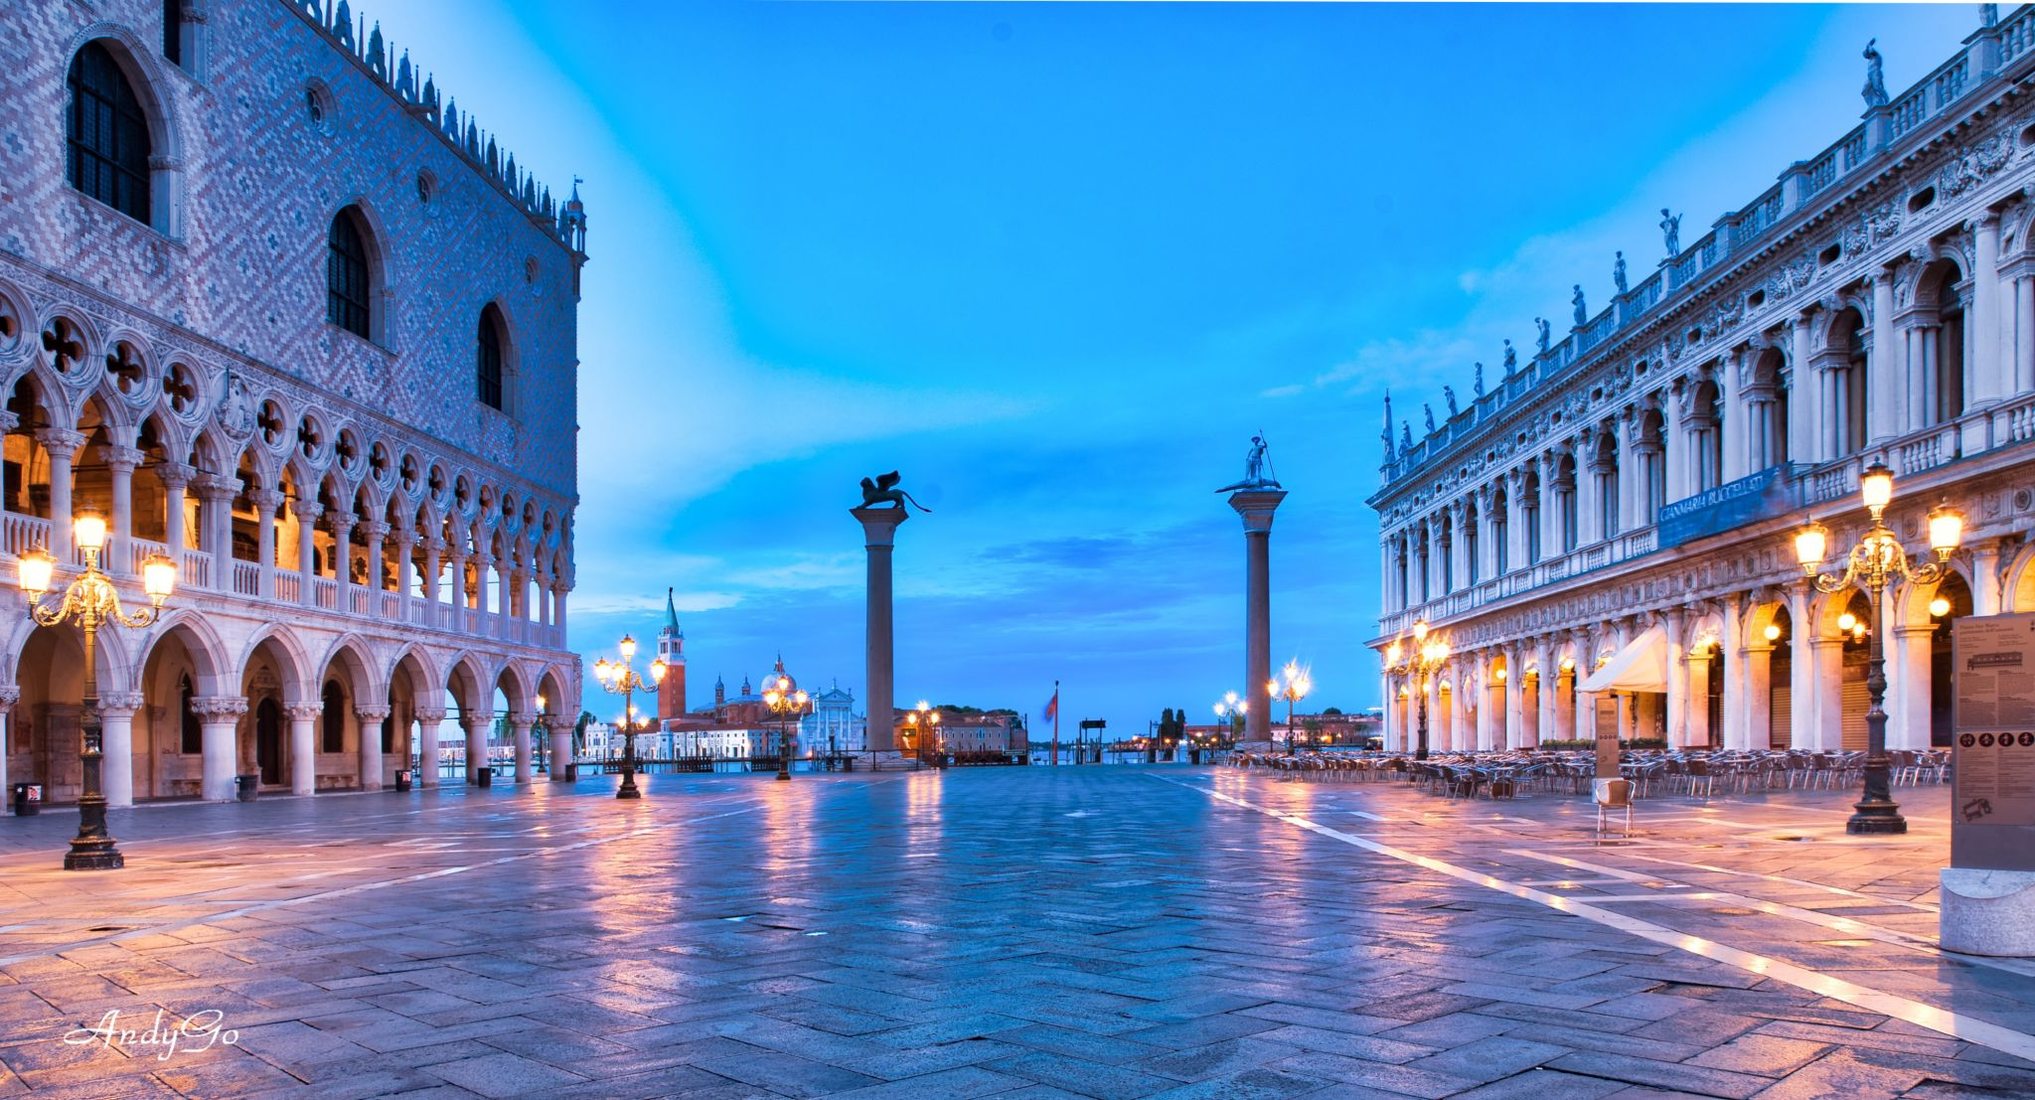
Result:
x=61 y=444
x=561 y=754
x=1512 y=733
x=879 y=533
x=1985 y=385
x=369 y=720
x=120 y=464
x=176 y=479
x=265 y=501
x=303 y=746
x=1885 y=365
x=9 y=696
x=476 y=725
x=219 y=721
x=428 y=722
x=307 y=513
x=116 y=743
x=1909 y=683
x=1255 y=507
x=520 y=723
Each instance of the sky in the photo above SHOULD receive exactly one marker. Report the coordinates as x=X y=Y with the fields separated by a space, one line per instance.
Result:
x=1057 y=264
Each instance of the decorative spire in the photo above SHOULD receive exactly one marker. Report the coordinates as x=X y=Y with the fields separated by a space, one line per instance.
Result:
x=671 y=614
x=1386 y=435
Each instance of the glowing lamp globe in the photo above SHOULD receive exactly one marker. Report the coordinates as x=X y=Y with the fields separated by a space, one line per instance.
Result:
x=1946 y=530
x=34 y=571
x=158 y=577
x=1812 y=543
x=628 y=648
x=1876 y=487
x=90 y=531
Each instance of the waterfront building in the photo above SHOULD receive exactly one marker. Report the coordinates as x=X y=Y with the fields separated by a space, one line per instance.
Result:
x=1604 y=536
x=278 y=309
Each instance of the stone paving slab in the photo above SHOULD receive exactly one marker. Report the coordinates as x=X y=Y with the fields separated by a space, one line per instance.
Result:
x=1084 y=932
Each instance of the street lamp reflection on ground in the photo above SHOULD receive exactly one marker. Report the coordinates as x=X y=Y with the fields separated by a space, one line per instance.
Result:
x=1877 y=563
x=90 y=600
x=619 y=678
x=787 y=701
x=1421 y=660
x=1292 y=684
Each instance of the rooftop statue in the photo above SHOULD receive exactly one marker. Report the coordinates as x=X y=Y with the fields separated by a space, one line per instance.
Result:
x=1546 y=333
x=1257 y=469
x=1671 y=232
x=1478 y=382
x=1429 y=410
x=1405 y=437
x=1875 y=90
x=1618 y=274
x=1582 y=313
x=884 y=490
x=1386 y=435
x=1511 y=359
x=1449 y=394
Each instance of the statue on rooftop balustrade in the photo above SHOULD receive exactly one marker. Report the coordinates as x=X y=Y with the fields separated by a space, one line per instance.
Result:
x=1546 y=333
x=1449 y=394
x=1511 y=359
x=1405 y=437
x=1428 y=408
x=1478 y=383
x=1671 y=232
x=1875 y=90
x=1618 y=274
x=1582 y=313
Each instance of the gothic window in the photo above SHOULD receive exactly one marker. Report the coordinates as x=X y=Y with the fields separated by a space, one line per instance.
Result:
x=347 y=290
x=1851 y=390
x=332 y=724
x=1949 y=380
x=488 y=360
x=173 y=31
x=1707 y=435
x=193 y=732
x=106 y=134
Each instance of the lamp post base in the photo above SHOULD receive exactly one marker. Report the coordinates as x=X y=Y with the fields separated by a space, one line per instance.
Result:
x=94 y=854
x=628 y=789
x=783 y=777
x=1876 y=819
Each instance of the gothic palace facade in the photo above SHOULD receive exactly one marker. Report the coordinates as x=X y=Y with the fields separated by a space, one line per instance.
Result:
x=273 y=306
x=1623 y=501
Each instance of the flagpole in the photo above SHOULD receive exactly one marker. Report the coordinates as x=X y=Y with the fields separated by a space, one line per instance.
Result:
x=1056 y=723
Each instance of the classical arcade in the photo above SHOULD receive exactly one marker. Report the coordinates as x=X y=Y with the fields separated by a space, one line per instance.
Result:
x=1604 y=535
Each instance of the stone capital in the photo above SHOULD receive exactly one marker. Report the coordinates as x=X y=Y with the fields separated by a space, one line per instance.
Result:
x=218 y=707
x=119 y=704
x=304 y=712
x=522 y=719
x=371 y=713
x=306 y=511
x=59 y=442
x=429 y=717
x=374 y=529
x=879 y=525
x=174 y=475
x=267 y=500
x=8 y=421
x=477 y=721
x=122 y=459
x=216 y=487
x=1255 y=508
x=8 y=697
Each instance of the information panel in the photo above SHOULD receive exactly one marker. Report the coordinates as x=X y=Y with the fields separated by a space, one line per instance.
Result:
x=1992 y=810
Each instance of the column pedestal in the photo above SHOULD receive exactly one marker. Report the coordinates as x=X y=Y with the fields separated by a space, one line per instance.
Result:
x=1255 y=508
x=303 y=747
x=428 y=722
x=561 y=755
x=879 y=532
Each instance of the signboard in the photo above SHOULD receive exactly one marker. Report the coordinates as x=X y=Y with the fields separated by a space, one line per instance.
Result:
x=1728 y=507
x=1992 y=808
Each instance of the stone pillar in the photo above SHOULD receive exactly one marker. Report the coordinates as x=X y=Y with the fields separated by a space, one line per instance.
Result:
x=61 y=444
x=9 y=696
x=428 y=586
x=1462 y=734
x=476 y=725
x=558 y=594
x=1986 y=596
x=428 y=722
x=1757 y=696
x=1885 y=365
x=369 y=720
x=520 y=723
x=307 y=513
x=215 y=519
x=266 y=501
x=1512 y=734
x=1985 y=333
x=1490 y=718
x=120 y=464
x=1909 y=714
x=1803 y=701
x=116 y=743
x=1674 y=623
x=1731 y=649
x=303 y=746
x=561 y=754
x=2024 y=327
x=377 y=533
x=219 y=721
x=1255 y=507
x=342 y=561
x=1826 y=684
x=879 y=534
x=176 y=478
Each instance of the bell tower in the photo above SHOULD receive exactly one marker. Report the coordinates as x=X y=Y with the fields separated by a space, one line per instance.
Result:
x=671 y=650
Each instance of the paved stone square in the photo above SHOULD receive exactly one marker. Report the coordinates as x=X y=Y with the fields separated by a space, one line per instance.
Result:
x=1101 y=932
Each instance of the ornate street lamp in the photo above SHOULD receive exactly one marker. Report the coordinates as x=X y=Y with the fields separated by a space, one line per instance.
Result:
x=1292 y=684
x=619 y=678
x=1231 y=710
x=1875 y=564
x=922 y=723
x=537 y=734
x=90 y=600
x=786 y=700
x=1421 y=661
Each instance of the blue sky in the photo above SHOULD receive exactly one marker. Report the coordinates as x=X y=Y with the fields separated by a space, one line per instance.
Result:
x=1058 y=263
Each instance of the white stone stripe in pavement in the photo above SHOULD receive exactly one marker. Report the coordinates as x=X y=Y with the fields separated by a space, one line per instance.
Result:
x=1956 y=1025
